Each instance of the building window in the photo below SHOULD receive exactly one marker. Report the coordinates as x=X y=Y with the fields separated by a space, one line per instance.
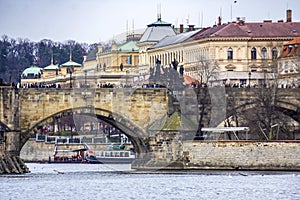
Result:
x=274 y=53
x=253 y=53
x=290 y=48
x=230 y=54
x=129 y=60
x=291 y=67
x=286 y=67
x=264 y=53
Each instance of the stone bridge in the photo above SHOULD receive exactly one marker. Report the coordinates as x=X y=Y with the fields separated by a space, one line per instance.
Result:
x=140 y=113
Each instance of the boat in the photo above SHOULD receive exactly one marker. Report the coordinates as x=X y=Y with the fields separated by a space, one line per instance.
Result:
x=91 y=159
x=115 y=154
x=73 y=154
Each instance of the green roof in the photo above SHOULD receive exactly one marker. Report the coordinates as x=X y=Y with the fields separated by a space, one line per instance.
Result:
x=128 y=47
x=32 y=70
x=51 y=67
x=159 y=22
x=71 y=64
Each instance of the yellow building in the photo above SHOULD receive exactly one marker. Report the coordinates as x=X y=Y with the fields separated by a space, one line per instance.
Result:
x=52 y=75
x=115 y=65
x=289 y=65
x=238 y=53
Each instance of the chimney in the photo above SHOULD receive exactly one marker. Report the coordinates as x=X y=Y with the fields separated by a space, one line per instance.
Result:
x=191 y=27
x=219 y=20
x=181 y=28
x=289 y=15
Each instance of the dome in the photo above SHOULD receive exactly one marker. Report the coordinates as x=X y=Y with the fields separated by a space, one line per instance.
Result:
x=32 y=72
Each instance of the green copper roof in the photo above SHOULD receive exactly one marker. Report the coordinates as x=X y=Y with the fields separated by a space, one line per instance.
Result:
x=159 y=22
x=128 y=47
x=71 y=64
x=34 y=70
x=51 y=67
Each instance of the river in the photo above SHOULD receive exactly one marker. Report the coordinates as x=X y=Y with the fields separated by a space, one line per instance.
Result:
x=87 y=181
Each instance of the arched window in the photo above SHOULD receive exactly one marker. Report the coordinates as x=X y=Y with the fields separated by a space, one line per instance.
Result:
x=264 y=53
x=253 y=53
x=230 y=54
x=274 y=53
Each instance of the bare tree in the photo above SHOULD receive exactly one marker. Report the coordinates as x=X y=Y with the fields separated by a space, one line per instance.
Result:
x=206 y=72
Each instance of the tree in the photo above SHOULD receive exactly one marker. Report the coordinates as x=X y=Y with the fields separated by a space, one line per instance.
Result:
x=206 y=72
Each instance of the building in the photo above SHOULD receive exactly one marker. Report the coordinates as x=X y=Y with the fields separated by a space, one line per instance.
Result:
x=51 y=75
x=238 y=53
x=115 y=64
x=289 y=65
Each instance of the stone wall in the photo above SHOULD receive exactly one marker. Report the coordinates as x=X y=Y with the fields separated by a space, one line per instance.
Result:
x=242 y=155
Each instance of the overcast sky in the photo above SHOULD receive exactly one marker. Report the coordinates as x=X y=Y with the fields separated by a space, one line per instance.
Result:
x=93 y=21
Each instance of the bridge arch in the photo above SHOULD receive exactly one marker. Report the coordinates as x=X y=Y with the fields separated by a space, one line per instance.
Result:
x=135 y=133
x=283 y=107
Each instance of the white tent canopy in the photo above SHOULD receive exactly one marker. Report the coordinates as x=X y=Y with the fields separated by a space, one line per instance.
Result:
x=227 y=129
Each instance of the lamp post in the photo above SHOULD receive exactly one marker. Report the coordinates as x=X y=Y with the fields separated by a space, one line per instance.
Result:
x=70 y=70
x=85 y=74
x=249 y=74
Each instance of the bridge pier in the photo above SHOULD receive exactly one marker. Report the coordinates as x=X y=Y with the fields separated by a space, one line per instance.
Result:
x=10 y=161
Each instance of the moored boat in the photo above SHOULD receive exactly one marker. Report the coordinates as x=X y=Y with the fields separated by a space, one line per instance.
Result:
x=73 y=154
x=115 y=156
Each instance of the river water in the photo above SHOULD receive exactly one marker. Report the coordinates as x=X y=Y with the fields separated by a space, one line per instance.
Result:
x=87 y=181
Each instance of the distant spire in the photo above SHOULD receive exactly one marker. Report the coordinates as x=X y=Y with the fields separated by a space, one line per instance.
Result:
x=127 y=28
x=132 y=26
x=52 y=61
x=70 y=53
x=159 y=12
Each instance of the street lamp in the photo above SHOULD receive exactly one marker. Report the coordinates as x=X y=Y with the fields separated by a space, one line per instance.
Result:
x=249 y=74
x=85 y=74
x=70 y=70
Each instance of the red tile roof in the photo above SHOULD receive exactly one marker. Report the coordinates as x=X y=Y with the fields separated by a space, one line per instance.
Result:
x=292 y=48
x=251 y=30
x=190 y=80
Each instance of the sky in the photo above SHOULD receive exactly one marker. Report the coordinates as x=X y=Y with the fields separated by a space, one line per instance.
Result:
x=94 y=21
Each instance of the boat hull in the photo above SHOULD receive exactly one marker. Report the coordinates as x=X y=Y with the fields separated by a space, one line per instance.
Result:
x=108 y=160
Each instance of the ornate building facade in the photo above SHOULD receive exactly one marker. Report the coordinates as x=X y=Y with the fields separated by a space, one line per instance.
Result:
x=289 y=64
x=239 y=52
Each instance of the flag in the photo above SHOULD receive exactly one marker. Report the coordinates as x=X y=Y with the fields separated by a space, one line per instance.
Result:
x=55 y=150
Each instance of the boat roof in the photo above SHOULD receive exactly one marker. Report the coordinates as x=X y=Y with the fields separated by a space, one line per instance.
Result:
x=70 y=150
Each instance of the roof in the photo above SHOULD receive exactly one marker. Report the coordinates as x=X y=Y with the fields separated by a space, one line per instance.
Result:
x=92 y=55
x=159 y=22
x=251 y=30
x=71 y=63
x=129 y=46
x=32 y=70
x=190 y=80
x=157 y=31
x=291 y=49
x=174 y=39
x=51 y=67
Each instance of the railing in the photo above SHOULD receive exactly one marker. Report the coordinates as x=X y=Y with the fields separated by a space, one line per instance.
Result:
x=69 y=140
